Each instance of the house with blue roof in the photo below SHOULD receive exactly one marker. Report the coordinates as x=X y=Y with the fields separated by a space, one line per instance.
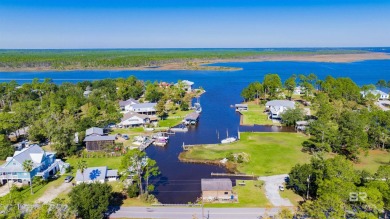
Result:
x=45 y=165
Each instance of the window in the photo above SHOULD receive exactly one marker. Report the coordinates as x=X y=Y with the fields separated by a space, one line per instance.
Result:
x=226 y=193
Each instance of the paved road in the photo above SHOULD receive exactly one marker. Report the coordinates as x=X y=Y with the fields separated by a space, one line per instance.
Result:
x=271 y=187
x=192 y=212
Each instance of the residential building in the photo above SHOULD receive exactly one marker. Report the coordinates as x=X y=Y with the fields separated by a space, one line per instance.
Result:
x=96 y=174
x=87 y=93
x=278 y=107
x=144 y=108
x=378 y=93
x=219 y=189
x=45 y=165
x=133 y=119
x=94 y=131
x=95 y=139
x=126 y=104
x=187 y=85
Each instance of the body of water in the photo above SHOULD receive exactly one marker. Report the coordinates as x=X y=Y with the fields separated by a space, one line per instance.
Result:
x=180 y=182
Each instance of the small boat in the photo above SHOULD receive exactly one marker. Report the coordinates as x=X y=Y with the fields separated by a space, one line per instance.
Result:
x=228 y=139
x=197 y=106
x=193 y=123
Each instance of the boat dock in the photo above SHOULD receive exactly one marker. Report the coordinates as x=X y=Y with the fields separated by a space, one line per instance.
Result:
x=145 y=144
x=185 y=129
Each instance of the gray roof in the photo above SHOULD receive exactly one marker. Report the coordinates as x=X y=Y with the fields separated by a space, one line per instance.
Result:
x=94 y=131
x=374 y=92
x=34 y=153
x=92 y=173
x=216 y=184
x=112 y=173
x=192 y=116
x=124 y=103
x=99 y=138
x=284 y=103
x=241 y=105
x=302 y=123
x=131 y=114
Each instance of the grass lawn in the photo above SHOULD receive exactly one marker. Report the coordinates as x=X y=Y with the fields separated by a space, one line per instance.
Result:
x=174 y=119
x=290 y=195
x=248 y=196
x=373 y=160
x=110 y=162
x=255 y=115
x=269 y=153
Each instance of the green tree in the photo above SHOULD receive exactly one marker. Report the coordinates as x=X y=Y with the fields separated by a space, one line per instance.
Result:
x=272 y=85
x=151 y=169
x=90 y=200
x=160 y=109
x=291 y=116
x=290 y=85
x=28 y=167
x=81 y=165
x=381 y=84
x=6 y=148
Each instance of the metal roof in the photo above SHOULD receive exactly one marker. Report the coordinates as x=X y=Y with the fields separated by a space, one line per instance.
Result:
x=223 y=184
x=129 y=101
x=284 y=103
x=144 y=105
x=34 y=153
x=131 y=114
x=99 y=138
x=94 y=131
x=192 y=116
x=92 y=173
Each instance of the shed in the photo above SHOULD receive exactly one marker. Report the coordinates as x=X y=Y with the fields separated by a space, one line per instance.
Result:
x=192 y=117
x=217 y=189
x=98 y=143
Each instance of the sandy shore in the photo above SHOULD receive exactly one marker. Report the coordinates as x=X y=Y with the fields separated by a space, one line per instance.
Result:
x=197 y=64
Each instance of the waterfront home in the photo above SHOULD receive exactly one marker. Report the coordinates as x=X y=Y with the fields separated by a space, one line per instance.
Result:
x=96 y=174
x=126 y=104
x=133 y=119
x=45 y=165
x=187 y=85
x=277 y=107
x=377 y=93
x=219 y=189
x=95 y=139
x=241 y=107
x=144 y=108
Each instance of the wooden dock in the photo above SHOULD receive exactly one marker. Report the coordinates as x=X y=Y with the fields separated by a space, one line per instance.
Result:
x=179 y=129
x=232 y=174
x=146 y=144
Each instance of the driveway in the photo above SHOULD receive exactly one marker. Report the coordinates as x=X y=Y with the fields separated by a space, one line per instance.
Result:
x=271 y=186
x=53 y=192
x=4 y=189
x=192 y=212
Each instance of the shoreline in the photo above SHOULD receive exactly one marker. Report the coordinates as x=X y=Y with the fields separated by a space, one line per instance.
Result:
x=198 y=64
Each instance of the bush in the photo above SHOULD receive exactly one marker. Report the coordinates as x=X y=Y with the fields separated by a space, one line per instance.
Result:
x=133 y=191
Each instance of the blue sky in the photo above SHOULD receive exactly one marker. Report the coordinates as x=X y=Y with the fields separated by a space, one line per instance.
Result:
x=193 y=23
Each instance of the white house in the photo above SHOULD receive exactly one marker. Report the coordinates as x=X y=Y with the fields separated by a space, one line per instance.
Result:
x=125 y=105
x=298 y=90
x=96 y=174
x=94 y=131
x=144 y=108
x=132 y=119
x=380 y=94
x=277 y=107
x=187 y=85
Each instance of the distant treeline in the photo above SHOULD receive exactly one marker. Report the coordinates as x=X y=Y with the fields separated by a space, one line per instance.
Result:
x=122 y=58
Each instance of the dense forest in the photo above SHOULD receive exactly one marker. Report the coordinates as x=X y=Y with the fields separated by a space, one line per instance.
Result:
x=54 y=113
x=95 y=59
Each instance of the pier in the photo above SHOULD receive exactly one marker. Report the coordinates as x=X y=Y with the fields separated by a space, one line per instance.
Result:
x=232 y=174
x=145 y=144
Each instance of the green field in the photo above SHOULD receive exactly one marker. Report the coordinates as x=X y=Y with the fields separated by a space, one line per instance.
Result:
x=371 y=161
x=255 y=115
x=248 y=196
x=269 y=153
x=110 y=162
x=174 y=119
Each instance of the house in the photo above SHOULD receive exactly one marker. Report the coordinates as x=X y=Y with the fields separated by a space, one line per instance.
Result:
x=187 y=85
x=126 y=104
x=96 y=174
x=144 y=108
x=94 y=131
x=277 y=107
x=241 y=107
x=87 y=93
x=98 y=143
x=378 y=93
x=219 y=189
x=301 y=125
x=133 y=119
x=45 y=165
x=298 y=90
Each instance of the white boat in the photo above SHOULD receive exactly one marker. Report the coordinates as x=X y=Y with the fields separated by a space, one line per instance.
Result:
x=229 y=140
x=197 y=106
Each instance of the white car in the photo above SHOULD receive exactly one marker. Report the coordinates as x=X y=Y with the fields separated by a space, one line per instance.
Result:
x=281 y=188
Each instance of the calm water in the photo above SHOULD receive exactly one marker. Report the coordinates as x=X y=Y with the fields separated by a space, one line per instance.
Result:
x=180 y=182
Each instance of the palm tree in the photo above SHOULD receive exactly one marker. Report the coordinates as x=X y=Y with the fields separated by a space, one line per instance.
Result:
x=82 y=165
x=28 y=167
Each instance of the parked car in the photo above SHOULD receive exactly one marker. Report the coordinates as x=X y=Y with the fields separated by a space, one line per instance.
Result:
x=281 y=188
x=68 y=179
x=126 y=137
